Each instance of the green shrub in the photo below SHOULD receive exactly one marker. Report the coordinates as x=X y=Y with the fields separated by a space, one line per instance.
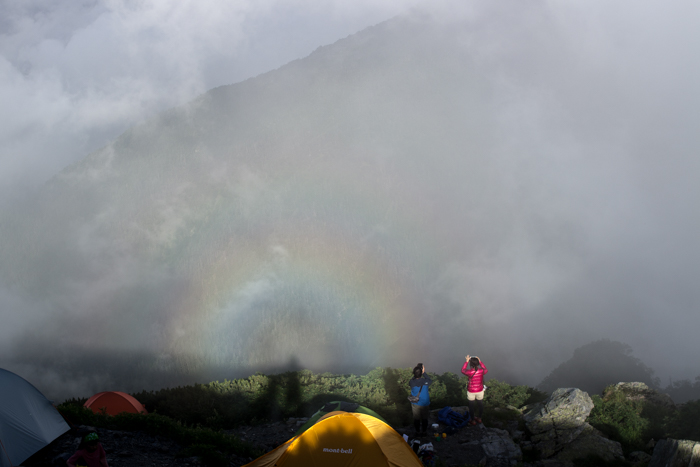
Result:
x=685 y=422
x=535 y=396
x=261 y=398
x=500 y=394
x=160 y=425
x=620 y=419
x=496 y=416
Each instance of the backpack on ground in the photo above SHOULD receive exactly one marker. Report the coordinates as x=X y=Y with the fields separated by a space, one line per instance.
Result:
x=449 y=417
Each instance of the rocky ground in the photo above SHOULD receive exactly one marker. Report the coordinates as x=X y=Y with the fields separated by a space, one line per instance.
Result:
x=466 y=447
x=124 y=448
x=469 y=446
x=557 y=431
x=473 y=445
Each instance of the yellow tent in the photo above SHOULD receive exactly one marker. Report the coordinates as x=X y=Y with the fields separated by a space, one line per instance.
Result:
x=343 y=439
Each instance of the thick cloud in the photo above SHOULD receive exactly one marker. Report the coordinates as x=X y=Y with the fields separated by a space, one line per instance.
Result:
x=589 y=193
x=74 y=76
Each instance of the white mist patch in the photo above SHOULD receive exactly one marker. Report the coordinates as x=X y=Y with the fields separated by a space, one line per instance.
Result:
x=99 y=170
x=18 y=316
x=280 y=251
x=493 y=290
x=249 y=187
x=55 y=383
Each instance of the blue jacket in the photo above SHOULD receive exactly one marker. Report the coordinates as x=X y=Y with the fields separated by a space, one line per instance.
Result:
x=416 y=384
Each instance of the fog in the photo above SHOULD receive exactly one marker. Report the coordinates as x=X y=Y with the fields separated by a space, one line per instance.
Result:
x=75 y=76
x=571 y=217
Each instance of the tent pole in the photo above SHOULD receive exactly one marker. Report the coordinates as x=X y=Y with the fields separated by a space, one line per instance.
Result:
x=6 y=454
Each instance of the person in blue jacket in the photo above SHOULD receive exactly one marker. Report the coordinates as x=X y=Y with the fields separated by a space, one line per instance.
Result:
x=421 y=409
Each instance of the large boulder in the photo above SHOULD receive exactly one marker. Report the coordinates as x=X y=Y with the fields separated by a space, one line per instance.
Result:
x=676 y=453
x=591 y=442
x=641 y=392
x=497 y=444
x=558 y=420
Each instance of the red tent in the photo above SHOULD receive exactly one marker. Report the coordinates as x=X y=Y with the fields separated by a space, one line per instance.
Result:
x=114 y=402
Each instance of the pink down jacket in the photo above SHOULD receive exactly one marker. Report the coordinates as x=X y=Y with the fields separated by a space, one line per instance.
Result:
x=476 y=377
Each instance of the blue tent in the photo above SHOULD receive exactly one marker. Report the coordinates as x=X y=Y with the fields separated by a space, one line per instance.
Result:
x=28 y=421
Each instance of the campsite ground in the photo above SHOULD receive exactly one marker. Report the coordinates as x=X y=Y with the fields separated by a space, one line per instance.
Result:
x=458 y=450
x=138 y=449
x=461 y=449
x=124 y=448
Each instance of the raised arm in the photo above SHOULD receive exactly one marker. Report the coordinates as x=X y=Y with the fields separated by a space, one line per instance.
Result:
x=465 y=369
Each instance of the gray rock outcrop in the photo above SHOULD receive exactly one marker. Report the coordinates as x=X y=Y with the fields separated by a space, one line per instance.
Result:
x=641 y=392
x=591 y=442
x=497 y=444
x=639 y=456
x=676 y=453
x=559 y=420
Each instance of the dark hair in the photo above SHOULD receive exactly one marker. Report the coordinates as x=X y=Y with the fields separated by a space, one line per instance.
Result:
x=418 y=371
x=474 y=363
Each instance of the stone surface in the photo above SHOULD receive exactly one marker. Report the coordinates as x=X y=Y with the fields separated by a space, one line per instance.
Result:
x=676 y=453
x=558 y=420
x=473 y=445
x=640 y=391
x=498 y=444
x=591 y=442
x=639 y=456
x=554 y=463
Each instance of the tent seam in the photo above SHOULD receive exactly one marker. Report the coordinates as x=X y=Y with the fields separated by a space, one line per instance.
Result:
x=6 y=454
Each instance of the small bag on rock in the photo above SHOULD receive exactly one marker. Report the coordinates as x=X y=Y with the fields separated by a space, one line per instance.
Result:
x=414 y=399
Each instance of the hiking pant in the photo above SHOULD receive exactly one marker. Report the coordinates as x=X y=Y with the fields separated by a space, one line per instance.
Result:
x=476 y=408
x=476 y=403
x=420 y=417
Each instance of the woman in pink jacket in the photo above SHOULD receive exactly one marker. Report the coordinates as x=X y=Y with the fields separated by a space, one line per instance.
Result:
x=475 y=370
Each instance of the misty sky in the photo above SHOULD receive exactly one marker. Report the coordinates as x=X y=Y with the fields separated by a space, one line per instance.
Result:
x=614 y=125
x=74 y=75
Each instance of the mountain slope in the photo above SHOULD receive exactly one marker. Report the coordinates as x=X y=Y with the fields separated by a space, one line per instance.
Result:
x=328 y=213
